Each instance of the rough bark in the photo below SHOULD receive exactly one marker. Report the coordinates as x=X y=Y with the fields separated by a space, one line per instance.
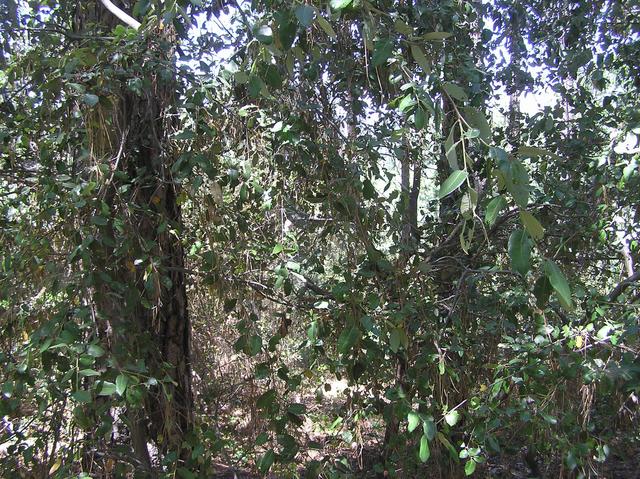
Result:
x=514 y=86
x=149 y=126
x=152 y=323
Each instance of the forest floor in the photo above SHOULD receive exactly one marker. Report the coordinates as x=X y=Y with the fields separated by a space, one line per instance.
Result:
x=363 y=452
x=615 y=467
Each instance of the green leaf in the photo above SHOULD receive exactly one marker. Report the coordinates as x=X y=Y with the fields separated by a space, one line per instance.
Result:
x=272 y=76
x=498 y=154
x=407 y=102
x=82 y=396
x=603 y=332
x=262 y=371
x=429 y=428
x=255 y=345
x=266 y=400
x=340 y=4
x=402 y=27
x=297 y=409
x=90 y=99
x=229 y=304
x=121 y=384
x=262 y=438
x=454 y=91
x=77 y=87
x=277 y=248
x=542 y=289
x=287 y=31
x=266 y=461
x=472 y=133
x=436 y=36
x=305 y=14
x=289 y=446
x=628 y=170
x=452 y=183
x=107 y=389
x=559 y=284
x=452 y=417
x=424 y=452
x=512 y=175
x=134 y=395
x=493 y=444
x=264 y=34
x=445 y=442
x=419 y=118
x=99 y=220
x=520 y=251
x=95 y=350
x=494 y=207
x=476 y=119
x=348 y=339
x=88 y=372
x=256 y=86
x=382 y=52
x=468 y=203
x=450 y=150
x=465 y=239
x=368 y=190
x=532 y=225
x=185 y=135
x=414 y=420
x=533 y=152
x=420 y=58
x=517 y=181
x=326 y=26
x=394 y=340
x=470 y=467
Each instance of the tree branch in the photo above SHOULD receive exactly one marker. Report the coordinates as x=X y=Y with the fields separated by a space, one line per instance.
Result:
x=126 y=18
x=619 y=289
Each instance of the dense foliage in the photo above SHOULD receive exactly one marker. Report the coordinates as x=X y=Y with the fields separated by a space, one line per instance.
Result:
x=211 y=222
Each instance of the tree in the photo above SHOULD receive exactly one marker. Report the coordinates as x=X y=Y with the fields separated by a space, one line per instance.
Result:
x=119 y=94
x=325 y=191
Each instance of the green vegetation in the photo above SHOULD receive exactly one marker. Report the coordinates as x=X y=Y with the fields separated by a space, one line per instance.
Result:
x=357 y=238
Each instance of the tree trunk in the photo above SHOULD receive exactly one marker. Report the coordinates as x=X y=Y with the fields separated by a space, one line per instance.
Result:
x=149 y=124
x=514 y=84
x=151 y=326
